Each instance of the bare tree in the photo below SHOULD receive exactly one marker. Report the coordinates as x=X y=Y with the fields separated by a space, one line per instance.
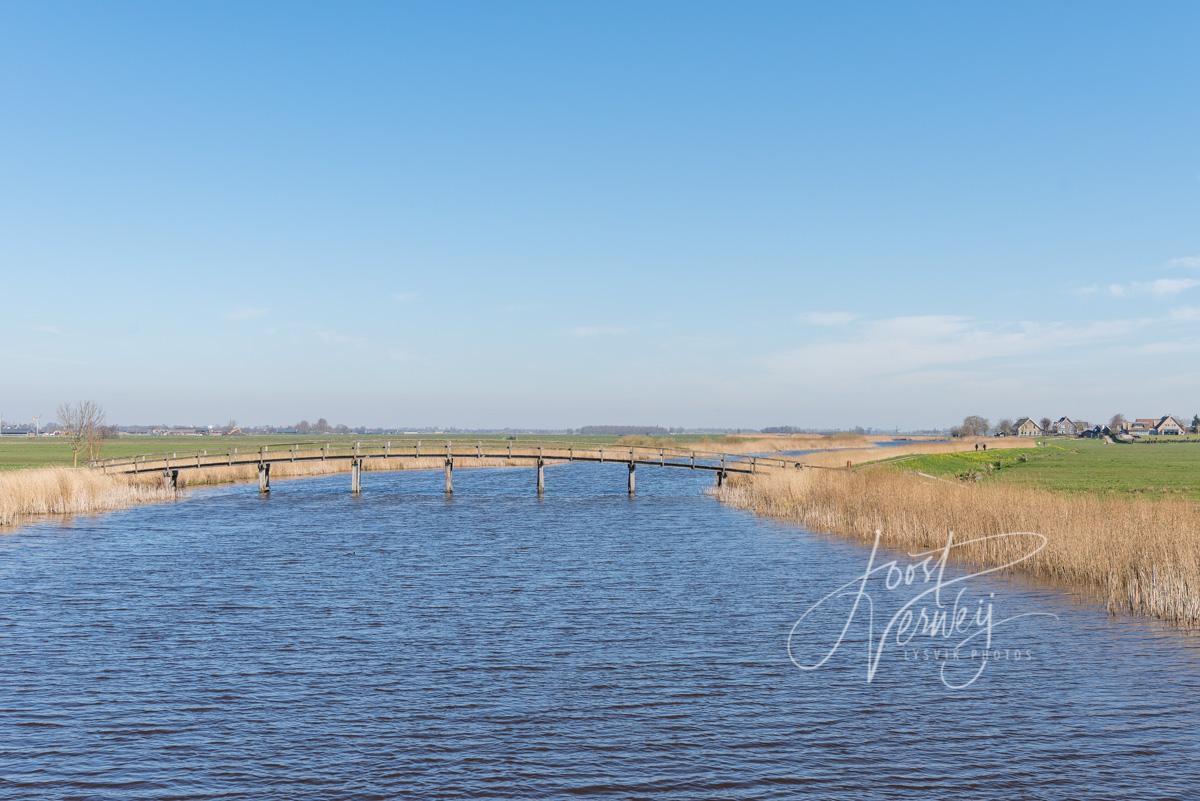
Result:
x=1005 y=427
x=974 y=426
x=1117 y=423
x=82 y=423
x=1045 y=424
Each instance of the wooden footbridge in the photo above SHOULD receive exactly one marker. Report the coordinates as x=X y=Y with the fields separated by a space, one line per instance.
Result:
x=452 y=452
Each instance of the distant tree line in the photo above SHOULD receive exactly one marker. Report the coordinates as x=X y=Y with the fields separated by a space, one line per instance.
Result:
x=322 y=426
x=624 y=431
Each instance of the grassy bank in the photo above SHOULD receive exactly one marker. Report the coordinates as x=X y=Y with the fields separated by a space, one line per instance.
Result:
x=1138 y=556
x=1156 y=470
x=858 y=456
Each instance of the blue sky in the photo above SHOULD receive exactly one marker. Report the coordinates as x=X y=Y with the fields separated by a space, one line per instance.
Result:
x=557 y=214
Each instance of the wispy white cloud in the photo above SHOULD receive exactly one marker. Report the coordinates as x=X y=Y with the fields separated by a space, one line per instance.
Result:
x=1186 y=313
x=828 y=318
x=330 y=337
x=903 y=346
x=1159 y=288
x=46 y=328
x=246 y=313
x=598 y=331
x=1184 y=263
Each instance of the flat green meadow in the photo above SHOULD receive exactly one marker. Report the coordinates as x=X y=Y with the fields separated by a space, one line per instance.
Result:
x=1156 y=469
x=18 y=453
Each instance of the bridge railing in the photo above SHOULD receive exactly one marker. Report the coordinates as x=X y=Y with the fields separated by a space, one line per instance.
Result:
x=422 y=448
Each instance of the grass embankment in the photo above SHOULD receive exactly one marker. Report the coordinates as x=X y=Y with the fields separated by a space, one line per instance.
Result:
x=858 y=456
x=1154 y=470
x=761 y=443
x=1137 y=555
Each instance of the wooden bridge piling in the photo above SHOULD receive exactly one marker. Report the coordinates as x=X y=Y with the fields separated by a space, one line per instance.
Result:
x=353 y=454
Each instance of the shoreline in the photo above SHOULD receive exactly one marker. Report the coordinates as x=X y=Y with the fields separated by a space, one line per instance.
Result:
x=1135 y=555
x=36 y=494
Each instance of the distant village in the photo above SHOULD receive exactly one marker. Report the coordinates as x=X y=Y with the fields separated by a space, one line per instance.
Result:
x=1118 y=428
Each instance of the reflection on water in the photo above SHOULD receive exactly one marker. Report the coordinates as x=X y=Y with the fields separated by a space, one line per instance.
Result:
x=316 y=645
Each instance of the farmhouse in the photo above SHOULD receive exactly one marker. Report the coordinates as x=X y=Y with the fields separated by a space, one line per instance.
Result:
x=1027 y=428
x=1141 y=425
x=1167 y=426
x=1065 y=427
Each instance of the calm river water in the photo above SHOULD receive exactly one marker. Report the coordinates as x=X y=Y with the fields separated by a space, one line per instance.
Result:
x=402 y=645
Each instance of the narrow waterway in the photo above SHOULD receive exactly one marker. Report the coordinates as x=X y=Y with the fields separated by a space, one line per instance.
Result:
x=405 y=645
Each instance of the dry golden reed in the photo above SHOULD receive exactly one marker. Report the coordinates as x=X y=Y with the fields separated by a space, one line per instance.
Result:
x=45 y=491
x=65 y=491
x=1140 y=557
x=286 y=470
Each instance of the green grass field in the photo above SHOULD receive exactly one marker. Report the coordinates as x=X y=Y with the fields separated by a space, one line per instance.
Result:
x=1153 y=470
x=23 y=452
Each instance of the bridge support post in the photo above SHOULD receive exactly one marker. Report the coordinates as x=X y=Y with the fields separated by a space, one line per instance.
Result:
x=355 y=476
x=541 y=476
x=264 y=477
x=632 y=479
x=449 y=476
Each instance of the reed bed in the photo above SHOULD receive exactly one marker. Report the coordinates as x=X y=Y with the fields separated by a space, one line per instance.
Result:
x=285 y=470
x=66 y=491
x=1138 y=556
x=41 y=492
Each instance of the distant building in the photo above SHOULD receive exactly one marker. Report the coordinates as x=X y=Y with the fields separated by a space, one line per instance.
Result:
x=1026 y=427
x=1065 y=427
x=1141 y=425
x=1168 y=426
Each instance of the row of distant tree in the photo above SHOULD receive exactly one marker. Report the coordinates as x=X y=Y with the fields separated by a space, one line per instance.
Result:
x=977 y=426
